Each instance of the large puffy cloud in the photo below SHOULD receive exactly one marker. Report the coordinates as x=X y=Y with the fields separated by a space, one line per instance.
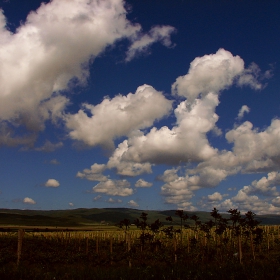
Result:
x=259 y=197
x=57 y=42
x=265 y=186
x=213 y=72
x=178 y=190
x=240 y=201
x=181 y=189
x=253 y=151
x=127 y=167
x=256 y=150
x=245 y=202
x=185 y=142
x=213 y=200
x=118 y=116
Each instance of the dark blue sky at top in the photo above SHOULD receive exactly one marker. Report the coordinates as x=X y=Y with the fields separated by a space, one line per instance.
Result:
x=249 y=29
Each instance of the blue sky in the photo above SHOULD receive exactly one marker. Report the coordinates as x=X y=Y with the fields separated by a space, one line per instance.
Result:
x=142 y=104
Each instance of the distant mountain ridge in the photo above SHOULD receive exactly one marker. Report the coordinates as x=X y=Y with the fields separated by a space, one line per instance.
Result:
x=93 y=216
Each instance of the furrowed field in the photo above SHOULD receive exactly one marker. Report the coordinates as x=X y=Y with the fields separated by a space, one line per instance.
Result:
x=234 y=248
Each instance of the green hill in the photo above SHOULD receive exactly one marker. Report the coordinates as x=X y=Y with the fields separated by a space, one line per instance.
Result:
x=92 y=217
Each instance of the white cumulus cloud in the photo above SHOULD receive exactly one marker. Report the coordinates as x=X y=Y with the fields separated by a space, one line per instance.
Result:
x=117 y=117
x=186 y=140
x=210 y=73
x=132 y=203
x=94 y=173
x=52 y=183
x=244 y=109
x=57 y=43
x=216 y=196
x=142 y=184
x=113 y=201
x=29 y=200
x=143 y=41
x=114 y=187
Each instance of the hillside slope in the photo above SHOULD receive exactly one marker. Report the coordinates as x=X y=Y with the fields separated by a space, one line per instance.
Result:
x=94 y=216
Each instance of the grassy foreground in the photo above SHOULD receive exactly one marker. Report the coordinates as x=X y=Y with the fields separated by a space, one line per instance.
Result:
x=258 y=270
x=221 y=248
x=84 y=255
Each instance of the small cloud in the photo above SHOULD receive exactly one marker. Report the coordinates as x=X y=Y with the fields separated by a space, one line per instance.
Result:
x=54 y=161
x=94 y=173
x=111 y=200
x=132 y=203
x=144 y=41
x=52 y=183
x=217 y=131
x=142 y=184
x=29 y=200
x=98 y=197
x=71 y=204
x=250 y=77
x=244 y=109
x=49 y=147
x=114 y=187
x=268 y=73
